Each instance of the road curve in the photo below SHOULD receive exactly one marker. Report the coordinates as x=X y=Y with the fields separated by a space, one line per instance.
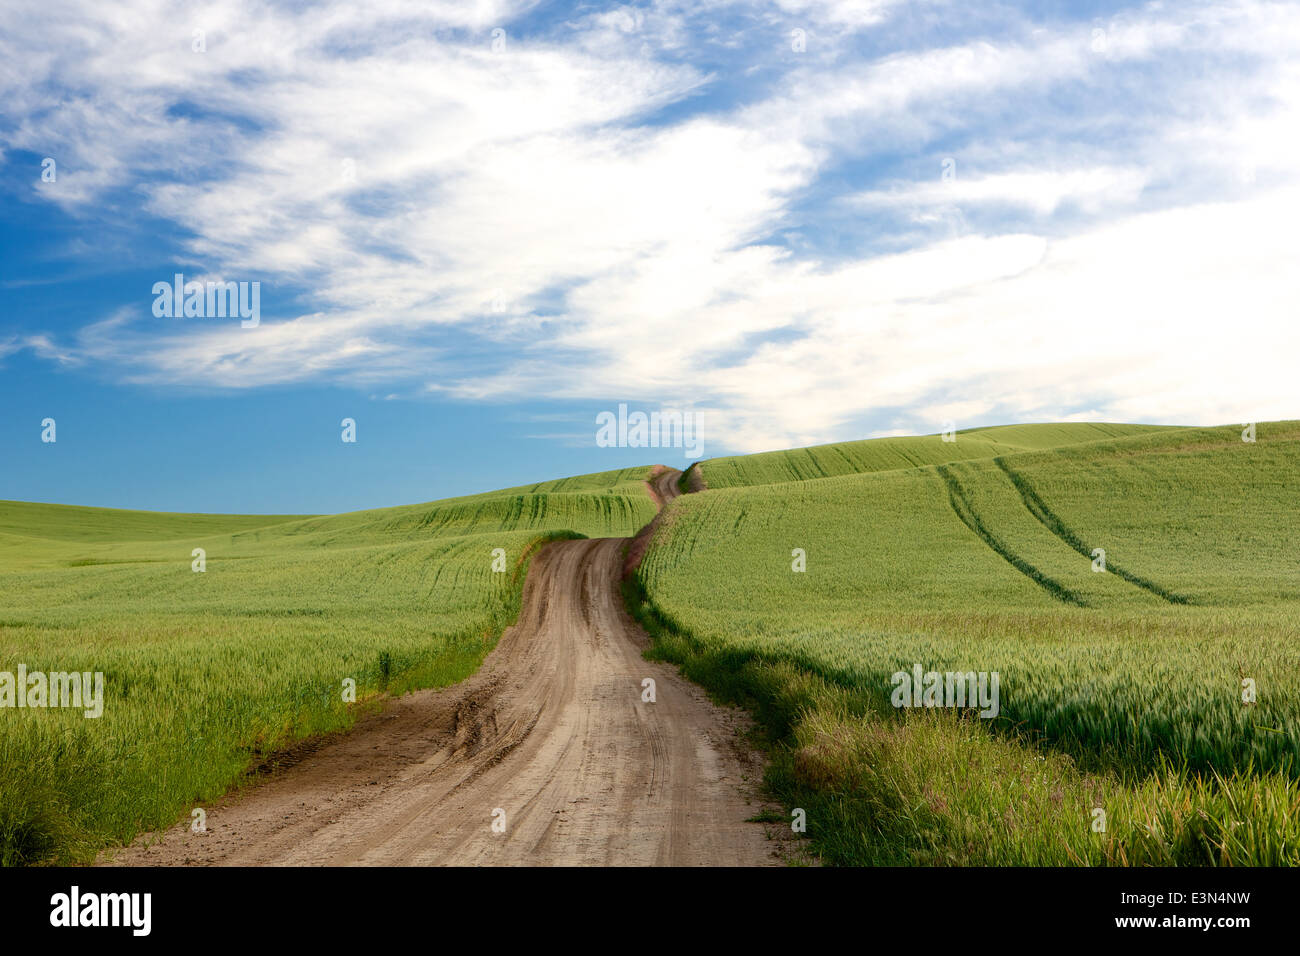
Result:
x=550 y=740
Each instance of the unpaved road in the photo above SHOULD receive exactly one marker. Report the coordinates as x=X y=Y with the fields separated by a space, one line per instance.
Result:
x=552 y=730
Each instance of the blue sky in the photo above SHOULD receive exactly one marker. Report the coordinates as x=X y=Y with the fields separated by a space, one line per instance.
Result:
x=475 y=226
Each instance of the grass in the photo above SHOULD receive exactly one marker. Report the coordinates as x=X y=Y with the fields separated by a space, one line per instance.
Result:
x=1120 y=690
x=892 y=454
x=209 y=673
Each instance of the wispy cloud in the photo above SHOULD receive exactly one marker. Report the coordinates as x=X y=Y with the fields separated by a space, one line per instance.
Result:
x=1010 y=217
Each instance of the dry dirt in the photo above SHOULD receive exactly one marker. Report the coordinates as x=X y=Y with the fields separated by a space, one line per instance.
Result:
x=551 y=735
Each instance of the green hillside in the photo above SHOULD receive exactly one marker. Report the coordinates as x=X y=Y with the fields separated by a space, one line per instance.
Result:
x=206 y=673
x=977 y=555
x=1121 y=690
x=891 y=454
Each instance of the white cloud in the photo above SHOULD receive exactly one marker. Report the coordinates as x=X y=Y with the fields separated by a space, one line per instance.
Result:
x=1042 y=191
x=431 y=195
x=850 y=13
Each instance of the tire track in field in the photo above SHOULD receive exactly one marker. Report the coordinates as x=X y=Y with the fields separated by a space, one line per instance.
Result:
x=1049 y=520
x=552 y=730
x=962 y=507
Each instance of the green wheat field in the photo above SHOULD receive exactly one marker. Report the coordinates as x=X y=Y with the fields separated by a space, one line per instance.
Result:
x=1124 y=734
x=1121 y=690
x=206 y=674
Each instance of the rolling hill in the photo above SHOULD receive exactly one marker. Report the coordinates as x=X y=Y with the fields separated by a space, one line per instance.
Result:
x=209 y=673
x=979 y=555
x=1147 y=711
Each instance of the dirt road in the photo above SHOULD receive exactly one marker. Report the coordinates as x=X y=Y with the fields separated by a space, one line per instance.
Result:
x=550 y=740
